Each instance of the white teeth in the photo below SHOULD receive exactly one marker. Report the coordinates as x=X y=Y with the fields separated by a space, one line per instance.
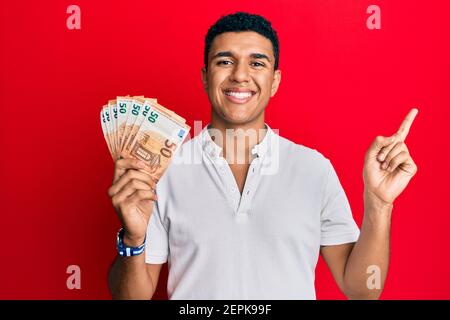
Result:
x=239 y=95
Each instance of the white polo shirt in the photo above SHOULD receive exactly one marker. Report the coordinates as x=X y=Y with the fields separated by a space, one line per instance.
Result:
x=261 y=245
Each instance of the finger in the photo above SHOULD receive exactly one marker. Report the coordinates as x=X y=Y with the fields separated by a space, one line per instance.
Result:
x=128 y=190
x=398 y=147
x=127 y=177
x=399 y=159
x=386 y=149
x=123 y=164
x=133 y=185
x=141 y=195
x=409 y=166
x=378 y=144
x=406 y=124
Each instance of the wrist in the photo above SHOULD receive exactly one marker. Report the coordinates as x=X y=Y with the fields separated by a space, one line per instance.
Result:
x=129 y=247
x=374 y=203
x=376 y=211
x=131 y=241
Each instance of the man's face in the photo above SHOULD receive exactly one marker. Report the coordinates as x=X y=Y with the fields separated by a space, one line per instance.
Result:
x=240 y=78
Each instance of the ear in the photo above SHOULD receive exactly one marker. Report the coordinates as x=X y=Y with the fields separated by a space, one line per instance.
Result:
x=204 y=79
x=276 y=82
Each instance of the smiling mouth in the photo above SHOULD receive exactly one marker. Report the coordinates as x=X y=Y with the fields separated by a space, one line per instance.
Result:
x=239 y=96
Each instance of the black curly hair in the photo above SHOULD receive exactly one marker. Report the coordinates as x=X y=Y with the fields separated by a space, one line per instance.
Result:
x=238 y=22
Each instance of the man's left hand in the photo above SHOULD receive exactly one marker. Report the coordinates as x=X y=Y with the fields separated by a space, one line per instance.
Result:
x=388 y=166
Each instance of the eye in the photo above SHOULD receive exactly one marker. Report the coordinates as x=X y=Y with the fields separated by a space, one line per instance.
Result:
x=257 y=64
x=223 y=62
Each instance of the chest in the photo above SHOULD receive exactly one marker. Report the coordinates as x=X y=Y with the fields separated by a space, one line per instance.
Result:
x=239 y=172
x=273 y=214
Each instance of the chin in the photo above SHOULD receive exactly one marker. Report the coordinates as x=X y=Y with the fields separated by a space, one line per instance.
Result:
x=239 y=119
x=235 y=114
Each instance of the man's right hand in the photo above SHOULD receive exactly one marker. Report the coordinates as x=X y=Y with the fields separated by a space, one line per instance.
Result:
x=132 y=194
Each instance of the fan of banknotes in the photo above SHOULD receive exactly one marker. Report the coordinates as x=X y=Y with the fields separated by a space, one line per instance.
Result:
x=143 y=129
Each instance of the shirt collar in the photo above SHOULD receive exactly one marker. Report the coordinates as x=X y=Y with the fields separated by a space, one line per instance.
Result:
x=215 y=151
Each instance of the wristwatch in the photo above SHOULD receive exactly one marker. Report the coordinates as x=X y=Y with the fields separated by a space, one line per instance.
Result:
x=126 y=251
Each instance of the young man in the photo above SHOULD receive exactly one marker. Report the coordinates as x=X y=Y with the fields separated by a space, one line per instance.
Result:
x=252 y=228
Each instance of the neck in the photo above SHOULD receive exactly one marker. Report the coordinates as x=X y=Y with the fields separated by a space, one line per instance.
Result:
x=237 y=140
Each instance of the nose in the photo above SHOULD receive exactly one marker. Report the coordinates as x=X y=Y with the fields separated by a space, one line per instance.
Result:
x=240 y=73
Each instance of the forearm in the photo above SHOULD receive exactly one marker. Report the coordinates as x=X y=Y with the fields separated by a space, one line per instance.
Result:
x=129 y=279
x=370 y=253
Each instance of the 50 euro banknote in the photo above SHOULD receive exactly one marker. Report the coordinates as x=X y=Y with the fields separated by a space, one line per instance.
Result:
x=143 y=129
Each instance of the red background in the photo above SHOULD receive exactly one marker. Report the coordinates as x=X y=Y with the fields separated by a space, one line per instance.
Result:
x=342 y=85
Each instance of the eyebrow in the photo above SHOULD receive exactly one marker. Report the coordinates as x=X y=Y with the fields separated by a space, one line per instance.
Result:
x=229 y=54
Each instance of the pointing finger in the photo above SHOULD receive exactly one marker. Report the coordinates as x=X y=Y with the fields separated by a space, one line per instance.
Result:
x=406 y=124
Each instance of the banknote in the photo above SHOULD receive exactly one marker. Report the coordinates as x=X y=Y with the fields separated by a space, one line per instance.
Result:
x=159 y=137
x=123 y=106
x=139 y=115
x=106 y=115
x=112 y=105
x=139 y=127
x=105 y=130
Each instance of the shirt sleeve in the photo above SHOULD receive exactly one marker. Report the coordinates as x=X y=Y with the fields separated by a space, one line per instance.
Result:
x=157 y=242
x=337 y=223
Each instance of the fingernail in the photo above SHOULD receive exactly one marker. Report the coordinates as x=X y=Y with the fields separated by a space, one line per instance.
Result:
x=381 y=156
x=141 y=164
x=384 y=165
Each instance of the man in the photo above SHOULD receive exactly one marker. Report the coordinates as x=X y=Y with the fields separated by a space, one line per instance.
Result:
x=250 y=229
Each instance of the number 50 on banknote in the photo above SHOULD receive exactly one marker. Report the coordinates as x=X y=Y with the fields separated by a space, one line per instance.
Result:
x=143 y=129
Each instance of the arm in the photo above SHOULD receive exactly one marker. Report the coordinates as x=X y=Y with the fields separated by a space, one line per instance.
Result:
x=132 y=278
x=132 y=195
x=388 y=168
x=351 y=263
